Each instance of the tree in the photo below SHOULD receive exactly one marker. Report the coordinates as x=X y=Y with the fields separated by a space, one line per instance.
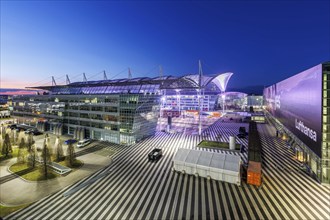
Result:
x=50 y=150
x=45 y=157
x=30 y=141
x=30 y=144
x=32 y=156
x=6 y=148
x=12 y=136
x=3 y=132
x=1 y=142
x=71 y=156
x=58 y=149
x=21 y=151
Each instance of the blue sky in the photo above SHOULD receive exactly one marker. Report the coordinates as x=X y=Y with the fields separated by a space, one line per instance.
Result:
x=261 y=42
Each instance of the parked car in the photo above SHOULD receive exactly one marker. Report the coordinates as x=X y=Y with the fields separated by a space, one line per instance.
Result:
x=19 y=129
x=242 y=130
x=155 y=154
x=13 y=126
x=70 y=141
x=33 y=131
x=83 y=142
x=241 y=135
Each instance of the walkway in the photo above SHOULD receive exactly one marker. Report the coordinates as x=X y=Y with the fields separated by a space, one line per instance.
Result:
x=16 y=191
x=138 y=189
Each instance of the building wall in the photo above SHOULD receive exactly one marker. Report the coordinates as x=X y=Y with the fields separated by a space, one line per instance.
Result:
x=232 y=101
x=301 y=104
x=326 y=123
x=4 y=114
x=117 y=118
x=189 y=102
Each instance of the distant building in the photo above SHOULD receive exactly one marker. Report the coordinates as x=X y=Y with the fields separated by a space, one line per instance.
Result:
x=121 y=111
x=256 y=101
x=232 y=101
x=4 y=108
x=3 y=99
x=4 y=112
x=300 y=106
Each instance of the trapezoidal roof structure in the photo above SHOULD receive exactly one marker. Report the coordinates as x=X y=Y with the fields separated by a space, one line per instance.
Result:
x=216 y=84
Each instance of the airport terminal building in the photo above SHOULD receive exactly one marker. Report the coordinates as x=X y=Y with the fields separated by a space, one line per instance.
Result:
x=121 y=111
x=300 y=106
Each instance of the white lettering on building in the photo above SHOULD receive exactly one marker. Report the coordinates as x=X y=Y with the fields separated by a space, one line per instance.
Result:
x=305 y=130
x=277 y=102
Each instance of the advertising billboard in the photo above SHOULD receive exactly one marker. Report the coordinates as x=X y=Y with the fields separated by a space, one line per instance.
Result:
x=297 y=103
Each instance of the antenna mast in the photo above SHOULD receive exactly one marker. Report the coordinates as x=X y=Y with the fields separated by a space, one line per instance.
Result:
x=105 y=75
x=200 y=73
x=84 y=77
x=67 y=79
x=129 y=73
x=53 y=81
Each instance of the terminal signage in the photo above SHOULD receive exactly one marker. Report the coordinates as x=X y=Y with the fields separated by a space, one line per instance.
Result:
x=297 y=103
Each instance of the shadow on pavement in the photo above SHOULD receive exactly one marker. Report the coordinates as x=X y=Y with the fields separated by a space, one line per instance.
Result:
x=14 y=175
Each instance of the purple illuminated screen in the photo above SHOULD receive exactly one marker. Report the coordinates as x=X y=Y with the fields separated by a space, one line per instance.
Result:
x=297 y=103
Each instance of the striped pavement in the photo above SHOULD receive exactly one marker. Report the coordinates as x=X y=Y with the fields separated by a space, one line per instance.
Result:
x=137 y=189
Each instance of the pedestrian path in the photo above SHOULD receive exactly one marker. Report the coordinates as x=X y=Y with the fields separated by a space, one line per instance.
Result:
x=15 y=191
x=138 y=189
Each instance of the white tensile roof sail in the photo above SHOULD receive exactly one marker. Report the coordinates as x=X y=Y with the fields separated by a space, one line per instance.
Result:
x=222 y=80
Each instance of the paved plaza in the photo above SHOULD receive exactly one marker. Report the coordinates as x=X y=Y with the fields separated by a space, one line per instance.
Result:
x=16 y=191
x=133 y=188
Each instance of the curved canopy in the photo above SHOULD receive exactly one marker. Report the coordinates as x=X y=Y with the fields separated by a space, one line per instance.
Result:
x=144 y=85
x=192 y=81
x=222 y=80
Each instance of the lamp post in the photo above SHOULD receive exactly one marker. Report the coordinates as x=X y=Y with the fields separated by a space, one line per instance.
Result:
x=199 y=113
x=178 y=100
x=223 y=96
x=200 y=98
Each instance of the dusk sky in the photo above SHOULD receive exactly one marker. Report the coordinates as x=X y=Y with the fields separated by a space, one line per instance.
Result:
x=261 y=42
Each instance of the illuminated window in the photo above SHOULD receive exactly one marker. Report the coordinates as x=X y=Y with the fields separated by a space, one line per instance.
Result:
x=325 y=111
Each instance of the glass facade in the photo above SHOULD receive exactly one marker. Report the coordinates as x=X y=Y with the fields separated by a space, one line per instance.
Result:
x=189 y=102
x=255 y=100
x=122 y=111
x=118 y=118
x=325 y=164
x=232 y=101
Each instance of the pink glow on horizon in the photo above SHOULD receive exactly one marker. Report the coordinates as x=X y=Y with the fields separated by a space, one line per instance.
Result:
x=19 y=92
